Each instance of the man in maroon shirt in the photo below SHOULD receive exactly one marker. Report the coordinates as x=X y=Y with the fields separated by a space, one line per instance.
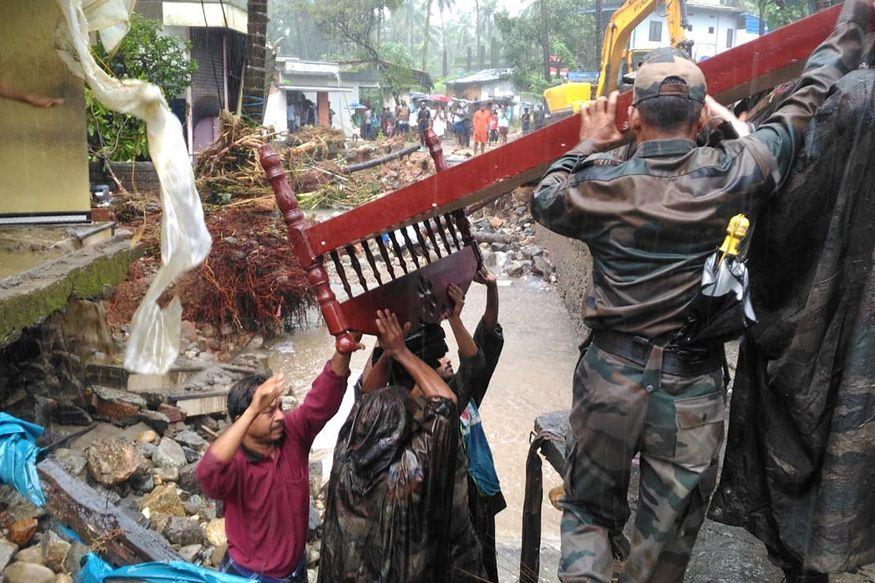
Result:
x=259 y=469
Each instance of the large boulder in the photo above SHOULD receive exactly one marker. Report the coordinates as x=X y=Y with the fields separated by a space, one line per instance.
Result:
x=115 y=461
x=119 y=407
x=32 y=554
x=7 y=551
x=214 y=532
x=21 y=572
x=55 y=551
x=164 y=499
x=188 y=479
x=183 y=531
x=190 y=438
x=22 y=531
x=169 y=454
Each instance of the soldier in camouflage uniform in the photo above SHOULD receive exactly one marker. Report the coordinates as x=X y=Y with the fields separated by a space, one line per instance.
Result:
x=650 y=223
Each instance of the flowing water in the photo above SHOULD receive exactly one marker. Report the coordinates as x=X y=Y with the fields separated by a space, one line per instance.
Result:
x=533 y=377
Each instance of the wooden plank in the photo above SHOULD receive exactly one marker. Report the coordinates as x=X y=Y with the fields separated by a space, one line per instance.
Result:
x=117 y=536
x=212 y=402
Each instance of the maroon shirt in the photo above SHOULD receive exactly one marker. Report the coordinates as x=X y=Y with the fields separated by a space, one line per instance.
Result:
x=267 y=499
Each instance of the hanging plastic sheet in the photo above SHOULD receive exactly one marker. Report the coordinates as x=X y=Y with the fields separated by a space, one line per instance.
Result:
x=18 y=457
x=185 y=241
x=96 y=570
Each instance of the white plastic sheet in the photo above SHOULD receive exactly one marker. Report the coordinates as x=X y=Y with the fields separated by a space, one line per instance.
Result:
x=185 y=242
x=728 y=276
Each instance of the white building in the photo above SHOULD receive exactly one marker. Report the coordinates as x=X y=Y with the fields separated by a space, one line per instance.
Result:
x=714 y=27
x=314 y=93
x=217 y=32
x=482 y=85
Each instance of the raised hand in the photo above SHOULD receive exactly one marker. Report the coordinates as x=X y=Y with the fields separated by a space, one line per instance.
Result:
x=485 y=277
x=458 y=296
x=267 y=393
x=391 y=333
x=598 y=123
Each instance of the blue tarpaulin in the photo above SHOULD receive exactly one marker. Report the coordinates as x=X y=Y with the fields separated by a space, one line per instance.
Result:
x=18 y=457
x=96 y=570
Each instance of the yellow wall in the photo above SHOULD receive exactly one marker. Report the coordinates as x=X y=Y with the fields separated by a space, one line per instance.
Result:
x=43 y=158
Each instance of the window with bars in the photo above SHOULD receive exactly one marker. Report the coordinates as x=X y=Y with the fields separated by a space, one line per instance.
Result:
x=655 y=31
x=730 y=37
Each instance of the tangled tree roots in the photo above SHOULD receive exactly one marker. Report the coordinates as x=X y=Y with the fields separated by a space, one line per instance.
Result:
x=251 y=280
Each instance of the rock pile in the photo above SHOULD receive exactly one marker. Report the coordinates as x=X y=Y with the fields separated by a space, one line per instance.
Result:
x=506 y=233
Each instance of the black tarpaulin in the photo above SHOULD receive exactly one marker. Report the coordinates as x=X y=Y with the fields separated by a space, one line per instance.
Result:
x=800 y=457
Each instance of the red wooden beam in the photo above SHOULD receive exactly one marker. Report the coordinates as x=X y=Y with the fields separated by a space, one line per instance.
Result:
x=771 y=59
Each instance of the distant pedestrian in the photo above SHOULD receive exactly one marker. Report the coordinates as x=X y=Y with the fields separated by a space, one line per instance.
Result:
x=402 y=114
x=423 y=121
x=439 y=123
x=481 y=128
x=526 y=120
x=503 y=123
x=367 y=126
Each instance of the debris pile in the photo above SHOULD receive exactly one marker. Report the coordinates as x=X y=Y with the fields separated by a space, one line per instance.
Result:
x=251 y=280
x=229 y=168
x=505 y=229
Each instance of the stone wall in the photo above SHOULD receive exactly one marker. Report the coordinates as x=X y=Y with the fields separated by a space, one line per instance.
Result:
x=573 y=265
x=139 y=177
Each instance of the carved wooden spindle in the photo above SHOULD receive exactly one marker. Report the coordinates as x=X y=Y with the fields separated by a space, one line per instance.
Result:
x=467 y=237
x=384 y=253
x=338 y=266
x=433 y=143
x=297 y=227
x=443 y=234
x=356 y=266
x=411 y=248
x=371 y=261
x=398 y=252
x=451 y=227
x=422 y=244
x=430 y=232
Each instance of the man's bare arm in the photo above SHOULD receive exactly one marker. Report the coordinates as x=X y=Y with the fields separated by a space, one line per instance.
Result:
x=225 y=446
x=392 y=337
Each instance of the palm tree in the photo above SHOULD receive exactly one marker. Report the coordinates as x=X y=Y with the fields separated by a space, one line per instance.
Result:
x=426 y=35
x=477 y=32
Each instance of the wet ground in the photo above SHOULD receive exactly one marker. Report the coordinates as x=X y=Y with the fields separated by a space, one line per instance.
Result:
x=533 y=377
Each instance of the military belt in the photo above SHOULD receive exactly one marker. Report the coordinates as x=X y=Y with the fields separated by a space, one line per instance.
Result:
x=675 y=360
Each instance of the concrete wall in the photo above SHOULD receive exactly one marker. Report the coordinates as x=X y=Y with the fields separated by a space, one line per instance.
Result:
x=573 y=272
x=43 y=156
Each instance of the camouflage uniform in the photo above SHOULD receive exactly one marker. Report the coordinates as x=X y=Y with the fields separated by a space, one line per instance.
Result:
x=650 y=223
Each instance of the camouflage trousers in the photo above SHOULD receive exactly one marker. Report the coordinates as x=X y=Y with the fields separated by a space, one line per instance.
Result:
x=676 y=423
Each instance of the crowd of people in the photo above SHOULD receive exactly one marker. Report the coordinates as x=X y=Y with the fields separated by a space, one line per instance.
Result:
x=413 y=490
x=486 y=122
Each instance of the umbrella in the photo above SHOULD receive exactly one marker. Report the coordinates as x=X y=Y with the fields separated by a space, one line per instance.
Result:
x=357 y=105
x=438 y=98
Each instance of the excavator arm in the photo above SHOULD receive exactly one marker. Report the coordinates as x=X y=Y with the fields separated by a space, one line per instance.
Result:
x=623 y=21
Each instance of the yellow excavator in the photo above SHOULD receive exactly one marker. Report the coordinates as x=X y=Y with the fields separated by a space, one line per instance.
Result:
x=616 y=59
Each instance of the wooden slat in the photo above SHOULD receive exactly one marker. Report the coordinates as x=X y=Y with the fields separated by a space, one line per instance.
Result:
x=97 y=521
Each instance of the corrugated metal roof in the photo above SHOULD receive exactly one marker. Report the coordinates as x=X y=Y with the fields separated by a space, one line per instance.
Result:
x=483 y=76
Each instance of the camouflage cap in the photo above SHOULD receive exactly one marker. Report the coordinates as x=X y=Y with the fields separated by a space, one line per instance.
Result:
x=659 y=66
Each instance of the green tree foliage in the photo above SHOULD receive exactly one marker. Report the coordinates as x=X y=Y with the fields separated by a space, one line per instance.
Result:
x=571 y=32
x=292 y=29
x=353 y=24
x=145 y=53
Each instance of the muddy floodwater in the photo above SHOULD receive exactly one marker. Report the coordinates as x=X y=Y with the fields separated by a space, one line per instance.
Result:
x=533 y=377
